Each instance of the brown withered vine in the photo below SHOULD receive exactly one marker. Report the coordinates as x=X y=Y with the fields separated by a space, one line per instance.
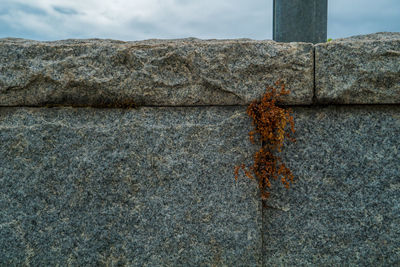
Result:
x=270 y=129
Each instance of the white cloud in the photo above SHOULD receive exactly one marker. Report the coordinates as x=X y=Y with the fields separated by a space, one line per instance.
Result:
x=139 y=19
x=144 y=19
x=346 y=18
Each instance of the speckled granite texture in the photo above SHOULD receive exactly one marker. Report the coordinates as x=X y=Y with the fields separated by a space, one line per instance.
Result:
x=147 y=187
x=154 y=186
x=155 y=72
x=344 y=209
x=362 y=69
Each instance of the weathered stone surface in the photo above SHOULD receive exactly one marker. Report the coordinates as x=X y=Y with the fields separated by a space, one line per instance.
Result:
x=146 y=187
x=359 y=70
x=344 y=208
x=153 y=72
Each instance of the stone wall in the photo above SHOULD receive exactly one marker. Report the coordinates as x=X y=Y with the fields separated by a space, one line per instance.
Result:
x=122 y=153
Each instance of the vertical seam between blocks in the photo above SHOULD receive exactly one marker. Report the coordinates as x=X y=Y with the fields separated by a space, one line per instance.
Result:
x=262 y=223
x=314 y=97
x=262 y=233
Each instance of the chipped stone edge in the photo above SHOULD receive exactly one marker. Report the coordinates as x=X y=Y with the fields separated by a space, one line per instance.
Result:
x=368 y=38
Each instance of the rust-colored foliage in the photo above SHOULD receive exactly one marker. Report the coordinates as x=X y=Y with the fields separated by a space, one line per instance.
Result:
x=270 y=125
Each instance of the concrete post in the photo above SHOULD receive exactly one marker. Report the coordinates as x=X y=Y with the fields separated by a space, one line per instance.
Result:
x=300 y=21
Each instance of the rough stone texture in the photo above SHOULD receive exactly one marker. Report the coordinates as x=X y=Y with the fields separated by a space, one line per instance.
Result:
x=146 y=187
x=154 y=186
x=153 y=72
x=359 y=70
x=345 y=206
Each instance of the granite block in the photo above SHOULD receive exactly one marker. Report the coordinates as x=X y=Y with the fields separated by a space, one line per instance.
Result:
x=154 y=186
x=137 y=187
x=181 y=72
x=344 y=209
x=359 y=70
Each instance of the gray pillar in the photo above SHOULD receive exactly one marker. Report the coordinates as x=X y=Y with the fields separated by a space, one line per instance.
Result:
x=300 y=21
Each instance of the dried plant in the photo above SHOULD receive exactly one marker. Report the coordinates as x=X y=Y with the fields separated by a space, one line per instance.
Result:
x=271 y=123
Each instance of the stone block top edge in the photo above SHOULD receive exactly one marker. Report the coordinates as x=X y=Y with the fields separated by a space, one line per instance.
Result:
x=365 y=38
x=150 y=42
x=378 y=36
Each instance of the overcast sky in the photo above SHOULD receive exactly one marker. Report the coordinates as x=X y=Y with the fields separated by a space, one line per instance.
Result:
x=146 y=19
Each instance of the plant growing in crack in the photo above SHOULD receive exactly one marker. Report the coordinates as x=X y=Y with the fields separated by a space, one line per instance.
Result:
x=271 y=125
